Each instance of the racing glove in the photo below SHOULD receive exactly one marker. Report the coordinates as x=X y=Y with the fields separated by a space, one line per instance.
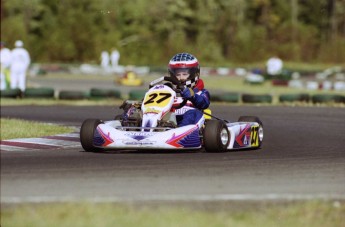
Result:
x=187 y=93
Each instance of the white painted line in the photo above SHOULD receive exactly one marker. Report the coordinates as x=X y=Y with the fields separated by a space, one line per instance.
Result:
x=176 y=198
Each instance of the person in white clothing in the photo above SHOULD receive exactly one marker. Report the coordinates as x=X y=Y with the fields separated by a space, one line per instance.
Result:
x=105 y=59
x=274 y=66
x=115 y=57
x=20 y=64
x=5 y=62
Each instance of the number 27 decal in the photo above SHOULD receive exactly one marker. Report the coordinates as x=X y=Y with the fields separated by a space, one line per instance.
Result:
x=157 y=98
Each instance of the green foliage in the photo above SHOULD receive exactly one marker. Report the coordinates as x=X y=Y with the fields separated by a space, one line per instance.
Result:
x=150 y=32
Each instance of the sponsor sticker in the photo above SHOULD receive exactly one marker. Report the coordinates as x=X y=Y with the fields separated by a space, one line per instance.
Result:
x=138 y=143
x=151 y=110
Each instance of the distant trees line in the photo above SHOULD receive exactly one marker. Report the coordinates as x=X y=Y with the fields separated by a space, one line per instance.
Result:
x=150 y=31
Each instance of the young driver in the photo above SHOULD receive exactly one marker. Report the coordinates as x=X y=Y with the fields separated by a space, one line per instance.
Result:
x=185 y=67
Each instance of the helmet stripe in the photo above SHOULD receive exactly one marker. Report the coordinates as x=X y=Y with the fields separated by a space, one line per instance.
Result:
x=183 y=64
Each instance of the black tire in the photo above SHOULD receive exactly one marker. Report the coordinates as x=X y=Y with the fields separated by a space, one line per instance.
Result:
x=72 y=95
x=216 y=97
x=216 y=136
x=136 y=94
x=328 y=98
x=294 y=98
x=39 y=93
x=105 y=93
x=254 y=119
x=230 y=97
x=87 y=132
x=248 y=98
x=11 y=93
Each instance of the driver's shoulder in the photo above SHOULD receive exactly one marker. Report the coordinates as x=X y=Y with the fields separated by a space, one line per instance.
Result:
x=199 y=85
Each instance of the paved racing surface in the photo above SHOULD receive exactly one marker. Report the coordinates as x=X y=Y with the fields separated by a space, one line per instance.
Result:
x=303 y=157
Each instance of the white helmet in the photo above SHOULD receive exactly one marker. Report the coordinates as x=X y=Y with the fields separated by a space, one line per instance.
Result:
x=18 y=43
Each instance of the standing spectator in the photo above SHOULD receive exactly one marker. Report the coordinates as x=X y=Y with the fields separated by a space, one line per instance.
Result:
x=115 y=57
x=20 y=64
x=105 y=59
x=274 y=66
x=5 y=62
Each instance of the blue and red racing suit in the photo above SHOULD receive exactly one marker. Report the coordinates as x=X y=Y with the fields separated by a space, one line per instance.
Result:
x=200 y=100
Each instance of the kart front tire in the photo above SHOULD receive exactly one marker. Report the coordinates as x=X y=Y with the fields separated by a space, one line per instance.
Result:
x=216 y=136
x=87 y=131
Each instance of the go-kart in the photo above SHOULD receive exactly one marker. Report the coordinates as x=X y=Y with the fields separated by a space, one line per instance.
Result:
x=151 y=124
x=130 y=79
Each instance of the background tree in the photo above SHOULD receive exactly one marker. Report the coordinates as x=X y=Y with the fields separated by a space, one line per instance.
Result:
x=150 y=32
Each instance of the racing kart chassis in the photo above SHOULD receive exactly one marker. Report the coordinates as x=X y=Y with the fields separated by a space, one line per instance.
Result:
x=151 y=124
x=216 y=136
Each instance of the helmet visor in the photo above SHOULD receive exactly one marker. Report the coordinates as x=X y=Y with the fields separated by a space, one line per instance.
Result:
x=181 y=72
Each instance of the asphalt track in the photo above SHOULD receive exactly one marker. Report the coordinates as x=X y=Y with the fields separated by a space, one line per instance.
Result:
x=303 y=157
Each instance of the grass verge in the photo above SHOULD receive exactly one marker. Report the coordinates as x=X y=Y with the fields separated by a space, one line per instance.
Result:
x=14 y=128
x=310 y=213
x=47 y=102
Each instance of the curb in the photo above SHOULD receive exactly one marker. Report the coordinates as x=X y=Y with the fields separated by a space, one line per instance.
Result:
x=42 y=143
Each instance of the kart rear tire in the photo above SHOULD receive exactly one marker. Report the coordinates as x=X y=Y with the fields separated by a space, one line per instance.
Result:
x=254 y=119
x=87 y=131
x=216 y=136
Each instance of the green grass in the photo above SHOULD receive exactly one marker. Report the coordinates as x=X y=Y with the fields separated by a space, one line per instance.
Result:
x=14 y=128
x=311 y=213
x=46 y=102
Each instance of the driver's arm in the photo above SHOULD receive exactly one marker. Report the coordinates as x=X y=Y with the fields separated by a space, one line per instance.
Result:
x=201 y=99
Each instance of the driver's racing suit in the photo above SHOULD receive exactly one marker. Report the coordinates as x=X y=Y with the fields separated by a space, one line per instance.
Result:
x=199 y=98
